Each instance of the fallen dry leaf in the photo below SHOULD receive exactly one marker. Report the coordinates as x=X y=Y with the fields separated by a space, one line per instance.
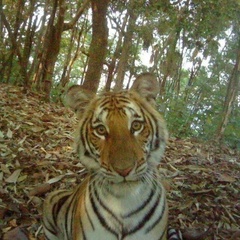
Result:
x=40 y=189
x=196 y=234
x=14 y=176
x=56 y=179
x=236 y=235
x=17 y=233
x=9 y=133
x=225 y=178
x=5 y=169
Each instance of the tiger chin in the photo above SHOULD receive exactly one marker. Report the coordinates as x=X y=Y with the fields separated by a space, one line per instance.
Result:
x=121 y=139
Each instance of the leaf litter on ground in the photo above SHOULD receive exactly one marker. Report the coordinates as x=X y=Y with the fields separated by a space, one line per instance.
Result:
x=36 y=157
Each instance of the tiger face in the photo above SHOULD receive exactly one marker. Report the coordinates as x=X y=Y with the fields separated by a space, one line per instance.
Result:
x=120 y=136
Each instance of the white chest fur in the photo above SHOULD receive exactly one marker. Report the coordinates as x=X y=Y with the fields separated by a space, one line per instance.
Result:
x=123 y=211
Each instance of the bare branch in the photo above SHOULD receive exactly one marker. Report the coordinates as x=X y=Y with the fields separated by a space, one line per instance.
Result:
x=80 y=11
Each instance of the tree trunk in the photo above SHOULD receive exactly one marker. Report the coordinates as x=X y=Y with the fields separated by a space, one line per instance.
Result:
x=2 y=56
x=116 y=54
x=233 y=86
x=37 y=66
x=98 y=46
x=71 y=59
x=52 y=46
x=30 y=31
x=126 y=49
x=13 y=36
x=112 y=64
x=52 y=43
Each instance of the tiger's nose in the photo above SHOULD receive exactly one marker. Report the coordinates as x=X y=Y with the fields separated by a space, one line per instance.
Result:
x=123 y=172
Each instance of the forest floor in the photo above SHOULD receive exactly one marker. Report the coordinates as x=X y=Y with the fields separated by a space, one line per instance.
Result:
x=36 y=156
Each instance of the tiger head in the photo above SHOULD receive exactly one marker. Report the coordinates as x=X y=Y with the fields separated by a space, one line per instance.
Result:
x=121 y=135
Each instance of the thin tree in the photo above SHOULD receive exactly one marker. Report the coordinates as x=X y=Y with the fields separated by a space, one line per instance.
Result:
x=127 y=43
x=98 y=46
x=52 y=41
x=232 y=89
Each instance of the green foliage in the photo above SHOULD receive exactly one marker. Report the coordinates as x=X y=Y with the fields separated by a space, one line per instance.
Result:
x=198 y=114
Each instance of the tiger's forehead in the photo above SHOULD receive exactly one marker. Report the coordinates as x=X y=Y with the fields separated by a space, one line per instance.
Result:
x=116 y=105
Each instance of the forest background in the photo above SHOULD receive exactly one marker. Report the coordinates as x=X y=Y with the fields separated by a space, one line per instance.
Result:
x=193 y=47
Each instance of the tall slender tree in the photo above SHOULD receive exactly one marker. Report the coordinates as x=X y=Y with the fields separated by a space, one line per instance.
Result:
x=233 y=84
x=52 y=41
x=127 y=43
x=98 y=46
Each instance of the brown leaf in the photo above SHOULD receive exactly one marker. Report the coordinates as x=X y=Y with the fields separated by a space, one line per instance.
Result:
x=37 y=129
x=196 y=234
x=225 y=178
x=5 y=169
x=2 y=212
x=40 y=189
x=13 y=223
x=236 y=235
x=47 y=118
x=18 y=233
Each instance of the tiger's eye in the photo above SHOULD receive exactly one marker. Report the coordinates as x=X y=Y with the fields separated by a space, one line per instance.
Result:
x=136 y=126
x=101 y=130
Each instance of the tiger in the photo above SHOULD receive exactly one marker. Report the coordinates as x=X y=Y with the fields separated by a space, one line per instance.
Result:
x=121 y=138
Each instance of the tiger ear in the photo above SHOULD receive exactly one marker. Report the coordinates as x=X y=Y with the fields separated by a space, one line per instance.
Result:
x=147 y=86
x=77 y=98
